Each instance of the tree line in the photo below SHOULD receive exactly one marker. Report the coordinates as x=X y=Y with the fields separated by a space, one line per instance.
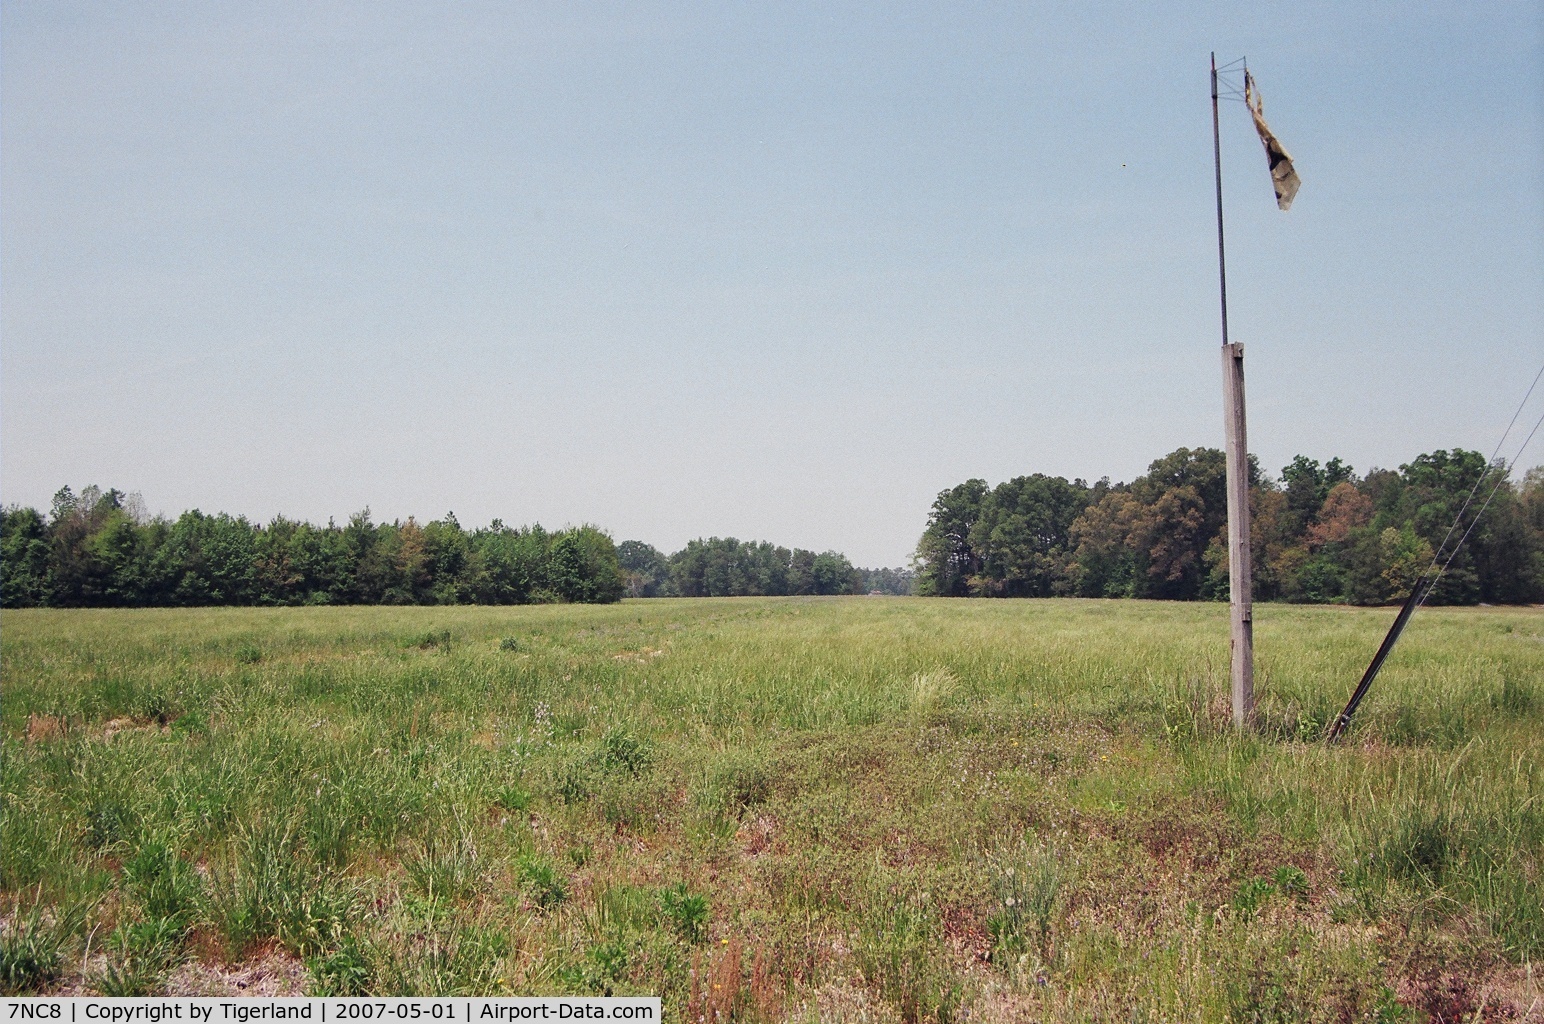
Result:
x=98 y=549
x=95 y=549
x=727 y=567
x=1319 y=533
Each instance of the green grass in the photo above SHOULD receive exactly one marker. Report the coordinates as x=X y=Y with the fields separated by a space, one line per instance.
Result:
x=782 y=809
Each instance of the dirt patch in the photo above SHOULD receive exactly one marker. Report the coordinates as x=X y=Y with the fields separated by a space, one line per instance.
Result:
x=845 y=1002
x=757 y=836
x=273 y=973
x=42 y=728
x=1449 y=996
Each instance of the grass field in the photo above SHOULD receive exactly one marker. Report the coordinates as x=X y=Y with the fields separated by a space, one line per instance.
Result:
x=785 y=809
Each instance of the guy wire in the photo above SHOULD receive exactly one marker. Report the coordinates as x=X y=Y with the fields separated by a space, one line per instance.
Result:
x=1477 y=481
x=1500 y=479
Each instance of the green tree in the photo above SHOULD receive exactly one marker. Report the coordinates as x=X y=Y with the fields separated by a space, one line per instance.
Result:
x=832 y=573
x=727 y=567
x=207 y=560
x=644 y=568
x=509 y=566
x=1023 y=536
x=946 y=558
x=24 y=547
x=582 y=567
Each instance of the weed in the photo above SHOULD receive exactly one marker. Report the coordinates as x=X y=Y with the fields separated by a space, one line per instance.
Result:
x=447 y=960
x=139 y=954
x=329 y=826
x=621 y=752
x=1389 y=1010
x=1290 y=881
x=603 y=967
x=1265 y=993
x=542 y=882
x=512 y=798
x=930 y=689
x=439 y=639
x=345 y=971
x=108 y=822
x=626 y=909
x=685 y=911
x=248 y=654
x=156 y=705
x=166 y=887
x=509 y=643
x=789 y=752
x=897 y=952
x=1185 y=708
x=619 y=755
x=33 y=944
x=575 y=780
x=1516 y=697
x=444 y=871
x=1251 y=896
x=734 y=782
x=266 y=889
x=1027 y=884
x=1421 y=845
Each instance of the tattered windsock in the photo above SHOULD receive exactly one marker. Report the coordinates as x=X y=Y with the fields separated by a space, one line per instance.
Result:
x=1283 y=176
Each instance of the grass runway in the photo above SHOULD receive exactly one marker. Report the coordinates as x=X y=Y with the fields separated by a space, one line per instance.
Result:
x=871 y=809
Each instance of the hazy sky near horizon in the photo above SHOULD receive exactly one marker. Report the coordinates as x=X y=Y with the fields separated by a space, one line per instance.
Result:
x=778 y=272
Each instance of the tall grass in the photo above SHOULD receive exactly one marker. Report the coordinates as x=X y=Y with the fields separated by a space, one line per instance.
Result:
x=832 y=790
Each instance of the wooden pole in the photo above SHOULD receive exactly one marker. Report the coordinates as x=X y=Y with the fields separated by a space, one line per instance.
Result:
x=1240 y=568
x=1240 y=558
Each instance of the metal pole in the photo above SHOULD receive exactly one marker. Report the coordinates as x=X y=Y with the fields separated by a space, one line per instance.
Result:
x=1222 y=263
x=1240 y=568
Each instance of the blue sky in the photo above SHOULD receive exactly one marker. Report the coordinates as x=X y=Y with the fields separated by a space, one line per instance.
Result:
x=779 y=271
